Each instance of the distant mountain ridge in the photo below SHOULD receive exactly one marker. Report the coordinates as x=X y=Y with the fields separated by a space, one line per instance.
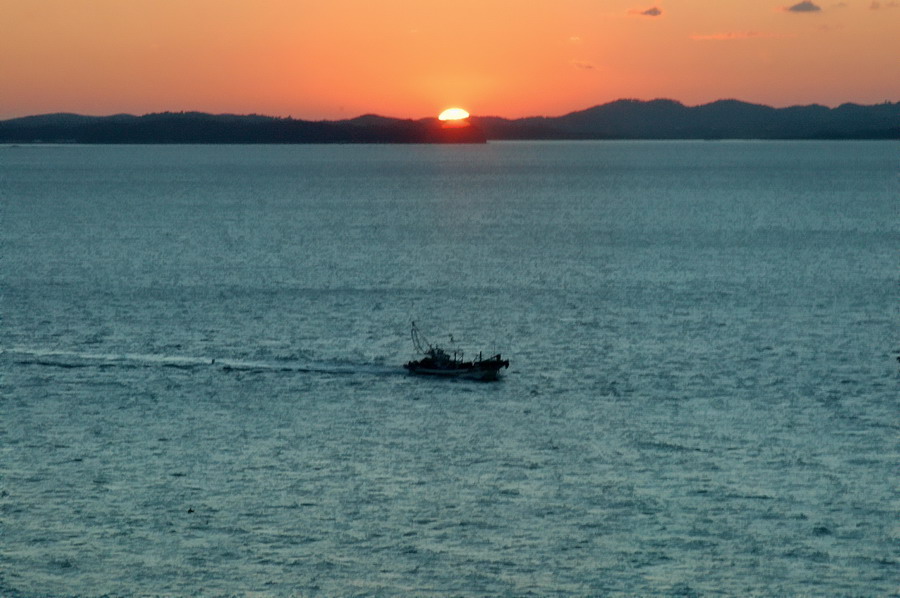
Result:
x=622 y=119
x=199 y=127
x=724 y=119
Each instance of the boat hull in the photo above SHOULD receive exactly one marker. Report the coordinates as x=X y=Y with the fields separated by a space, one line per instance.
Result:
x=488 y=369
x=468 y=374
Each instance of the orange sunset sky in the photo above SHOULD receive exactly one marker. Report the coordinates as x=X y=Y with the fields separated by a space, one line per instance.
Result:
x=333 y=59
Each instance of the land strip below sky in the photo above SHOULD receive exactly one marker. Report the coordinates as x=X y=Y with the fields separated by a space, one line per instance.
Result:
x=623 y=119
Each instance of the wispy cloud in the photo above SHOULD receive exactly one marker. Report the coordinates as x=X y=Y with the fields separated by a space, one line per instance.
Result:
x=805 y=6
x=732 y=35
x=585 y=66
x=649 y=12
x=878 y=5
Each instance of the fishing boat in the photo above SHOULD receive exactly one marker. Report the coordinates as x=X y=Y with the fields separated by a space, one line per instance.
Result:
x=438 y=362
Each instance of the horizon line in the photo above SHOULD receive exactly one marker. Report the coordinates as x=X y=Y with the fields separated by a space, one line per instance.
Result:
x=291 y=116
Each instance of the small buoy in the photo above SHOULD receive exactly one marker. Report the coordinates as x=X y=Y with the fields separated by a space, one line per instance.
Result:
x=190 y=510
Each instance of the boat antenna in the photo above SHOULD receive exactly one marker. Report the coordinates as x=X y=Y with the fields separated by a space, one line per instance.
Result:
x=419 y=340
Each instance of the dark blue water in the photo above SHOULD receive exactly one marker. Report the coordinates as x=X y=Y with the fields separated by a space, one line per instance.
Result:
x=201 y=390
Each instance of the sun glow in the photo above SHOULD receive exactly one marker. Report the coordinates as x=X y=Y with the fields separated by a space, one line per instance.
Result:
x=453 y=114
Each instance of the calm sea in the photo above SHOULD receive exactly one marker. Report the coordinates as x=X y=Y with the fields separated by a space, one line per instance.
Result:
x=201 y=391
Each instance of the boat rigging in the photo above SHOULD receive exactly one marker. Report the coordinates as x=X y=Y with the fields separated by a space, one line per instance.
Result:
x=437 y=362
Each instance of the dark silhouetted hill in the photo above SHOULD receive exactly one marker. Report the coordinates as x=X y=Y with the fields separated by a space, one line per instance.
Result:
x=196 y=127
x=725 y=119
x=623 y=119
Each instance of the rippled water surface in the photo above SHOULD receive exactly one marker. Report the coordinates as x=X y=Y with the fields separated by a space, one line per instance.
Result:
x=201 y=390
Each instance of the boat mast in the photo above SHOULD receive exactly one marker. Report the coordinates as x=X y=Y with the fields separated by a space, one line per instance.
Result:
x=419 y=340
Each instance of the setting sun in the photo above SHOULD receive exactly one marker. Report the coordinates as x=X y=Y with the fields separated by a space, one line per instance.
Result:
x=453 y=114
